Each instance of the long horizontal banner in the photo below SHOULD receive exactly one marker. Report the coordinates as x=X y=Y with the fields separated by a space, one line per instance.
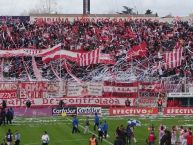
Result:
x=97 y=18
x=66 y=18
x=70 y=101
x=132 y=111
x=51 y=89
x=180 y=95
x=178 y=111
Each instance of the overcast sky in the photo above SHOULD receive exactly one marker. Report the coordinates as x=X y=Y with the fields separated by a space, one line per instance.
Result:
x=162 y=7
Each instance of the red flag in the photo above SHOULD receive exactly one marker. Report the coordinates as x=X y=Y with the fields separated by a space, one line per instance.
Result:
x=137 y=51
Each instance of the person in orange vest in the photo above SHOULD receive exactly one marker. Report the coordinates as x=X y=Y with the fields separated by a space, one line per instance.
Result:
x=93 y=140
x=159 y=104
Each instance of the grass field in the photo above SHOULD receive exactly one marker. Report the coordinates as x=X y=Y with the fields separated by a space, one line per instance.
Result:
x=59 y=129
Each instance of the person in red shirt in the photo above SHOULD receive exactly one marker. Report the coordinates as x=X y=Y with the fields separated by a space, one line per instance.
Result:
x=189 y=138
x=151 y=138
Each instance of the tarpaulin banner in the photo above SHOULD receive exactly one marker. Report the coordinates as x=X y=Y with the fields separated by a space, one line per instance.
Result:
x=118 y=89
x=42 y=89
x=56 y=89
x=84 y=89
x=70 y=101
x=32 y=89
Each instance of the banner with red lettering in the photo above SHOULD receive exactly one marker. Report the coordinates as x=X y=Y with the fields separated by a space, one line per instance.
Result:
x=70 y=101
x=42 y=89
x=8 y=90
x=32 y=89
x=178 y=111
x=132 y=111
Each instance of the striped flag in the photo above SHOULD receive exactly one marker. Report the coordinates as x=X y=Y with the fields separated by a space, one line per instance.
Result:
x=173 y=59
x=91 y=57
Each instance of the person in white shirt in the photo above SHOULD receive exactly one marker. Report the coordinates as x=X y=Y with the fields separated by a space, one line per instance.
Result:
x=181 y=134
x=45 y=138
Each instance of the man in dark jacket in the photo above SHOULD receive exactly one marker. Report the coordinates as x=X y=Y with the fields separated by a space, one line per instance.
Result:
x=3 y=114
x=9 y=117
x=166 y=139
x=118 y=141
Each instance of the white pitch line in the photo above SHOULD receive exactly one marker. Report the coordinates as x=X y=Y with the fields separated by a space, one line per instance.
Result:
x=68 y=140
x=92 y=132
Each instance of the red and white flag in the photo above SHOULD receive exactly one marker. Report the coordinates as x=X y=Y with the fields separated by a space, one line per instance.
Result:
x=50 y=51
x=173 y=59
x=137 y=51
x=91 y=57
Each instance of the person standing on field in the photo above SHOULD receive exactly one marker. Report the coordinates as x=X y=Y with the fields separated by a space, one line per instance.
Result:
x=75 y=123
x=87 y=124
x=17 y=137
x=96 y=121
x=93 y=140
x=151 y=138
x=105 y=129
x=9 y=137
x=189 y=138
x=45 y=138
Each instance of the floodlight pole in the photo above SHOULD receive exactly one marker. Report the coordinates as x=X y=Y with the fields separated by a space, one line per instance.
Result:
x=86 y=7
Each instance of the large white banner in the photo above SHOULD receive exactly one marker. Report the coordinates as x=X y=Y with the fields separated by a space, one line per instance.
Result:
x=74 y=89
x=95 y=89
x=84 y=89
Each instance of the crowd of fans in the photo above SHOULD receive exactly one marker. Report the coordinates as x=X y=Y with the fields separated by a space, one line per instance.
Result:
x=114 y=37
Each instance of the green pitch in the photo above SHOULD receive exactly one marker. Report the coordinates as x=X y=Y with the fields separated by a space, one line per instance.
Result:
x=60 y=128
